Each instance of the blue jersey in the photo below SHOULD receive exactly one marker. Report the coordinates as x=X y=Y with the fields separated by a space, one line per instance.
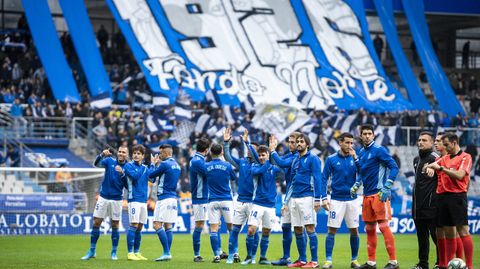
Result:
x=285 y=162
x=341 y=171
x=198 y=179
x=136 y=181
x=219 y=174
x=246 y=187
x=375 y=166
x=306 y=181
x=168 y=173
x=266 y=192
x=112 y=184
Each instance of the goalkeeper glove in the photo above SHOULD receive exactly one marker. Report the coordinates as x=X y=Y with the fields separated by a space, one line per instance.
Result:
x=386 y=191
x=354 y=189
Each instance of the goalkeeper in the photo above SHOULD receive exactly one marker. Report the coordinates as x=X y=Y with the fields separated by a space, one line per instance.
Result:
x=377 y=170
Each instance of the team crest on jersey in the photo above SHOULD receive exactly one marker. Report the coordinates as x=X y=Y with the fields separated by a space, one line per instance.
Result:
x=338 y=163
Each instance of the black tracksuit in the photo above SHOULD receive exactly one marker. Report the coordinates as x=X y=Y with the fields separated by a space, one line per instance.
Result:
x=424 y=211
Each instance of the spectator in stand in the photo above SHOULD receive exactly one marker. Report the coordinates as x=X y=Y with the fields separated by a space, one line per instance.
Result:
x=100 y=130
x=17 y=73
x=378 y=45
x=64 y=179
x=14 y=155
x=102 y=36
x=8 y=97
x=475 y=102
x=465 y=54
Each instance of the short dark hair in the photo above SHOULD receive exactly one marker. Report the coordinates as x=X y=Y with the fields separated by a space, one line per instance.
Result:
x=304 y=137
x=254 y=144
x=216 y=149
x=440 y=133
x=366 y=127
x=344 y=135
x=140 y=148
x=451 y=137
x=427 y=133
x=202 y=144
x=165 y=146
x=262 y=149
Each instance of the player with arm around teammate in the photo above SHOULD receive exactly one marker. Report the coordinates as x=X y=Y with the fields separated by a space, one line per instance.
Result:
x=285 y=162
x=109 y=202
x=199 y=188
x=136 y=176
x=303 y=200
x=166 y=173
x=220 y=202
x=340 y=169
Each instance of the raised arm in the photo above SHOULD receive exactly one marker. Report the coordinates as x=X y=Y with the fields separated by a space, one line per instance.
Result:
x=227 y=136
x=158 y=171
x=100 y=160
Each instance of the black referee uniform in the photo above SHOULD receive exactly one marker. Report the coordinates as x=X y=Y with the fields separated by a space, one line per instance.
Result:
x=424 y=211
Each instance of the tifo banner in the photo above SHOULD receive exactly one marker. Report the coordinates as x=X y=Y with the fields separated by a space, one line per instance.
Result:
x=271 y=50
x=58 y=224
x=37 y=202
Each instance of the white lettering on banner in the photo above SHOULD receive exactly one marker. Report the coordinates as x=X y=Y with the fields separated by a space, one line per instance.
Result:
x=273 y=31
x=31 y=220
x=78 y=221
x=339 y=33
x=474 y=225
x=148 y=34
x=207 y=20
x=88 y=223
x=17 y=221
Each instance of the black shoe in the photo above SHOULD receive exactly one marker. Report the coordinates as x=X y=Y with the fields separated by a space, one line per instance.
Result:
x=236 y=258
x=390 y=265
x=247 y=258
x=198 y=259
x=367 y=266
x=216 y=259
x=418 y=266
x=223 y=255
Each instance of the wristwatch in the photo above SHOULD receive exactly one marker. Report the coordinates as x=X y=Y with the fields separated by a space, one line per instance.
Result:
x=441 y=168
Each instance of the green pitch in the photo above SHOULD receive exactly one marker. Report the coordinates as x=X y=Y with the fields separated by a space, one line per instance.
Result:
x=65 y=251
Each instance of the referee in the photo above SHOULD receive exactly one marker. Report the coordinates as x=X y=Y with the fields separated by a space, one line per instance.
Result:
x=424 y=210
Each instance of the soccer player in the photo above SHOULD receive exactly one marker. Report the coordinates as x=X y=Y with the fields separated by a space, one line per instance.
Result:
x=199 y=187
x=263 y=210
x=166 y=211
x=377 y=170
x=303 y=199
x=136 y=176
x=220 y=203
x=285 y=162
x=453 y=180
x=341 y=170
x=109 y=203
x=246 y=188
x=424 y=210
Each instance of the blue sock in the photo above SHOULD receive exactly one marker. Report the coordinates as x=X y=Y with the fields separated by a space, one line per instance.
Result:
x=214 y=243
x=219 y=243
x=138 y=240
x=250 y=242
x=233 y=240
x=354 y=245
x=313 y=246
x=305 y=237
x=287 y=239
x=263 y=246
x=329 y=243
x=256 y=238
x=94 y=235
x=197 y=233
x=162 y=236
x=301 y=247
x=131 y=238
x=115 y=239
x=169 y=233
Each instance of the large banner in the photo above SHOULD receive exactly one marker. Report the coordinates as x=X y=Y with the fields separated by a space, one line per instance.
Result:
x=272 y=50
x=37 y=202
